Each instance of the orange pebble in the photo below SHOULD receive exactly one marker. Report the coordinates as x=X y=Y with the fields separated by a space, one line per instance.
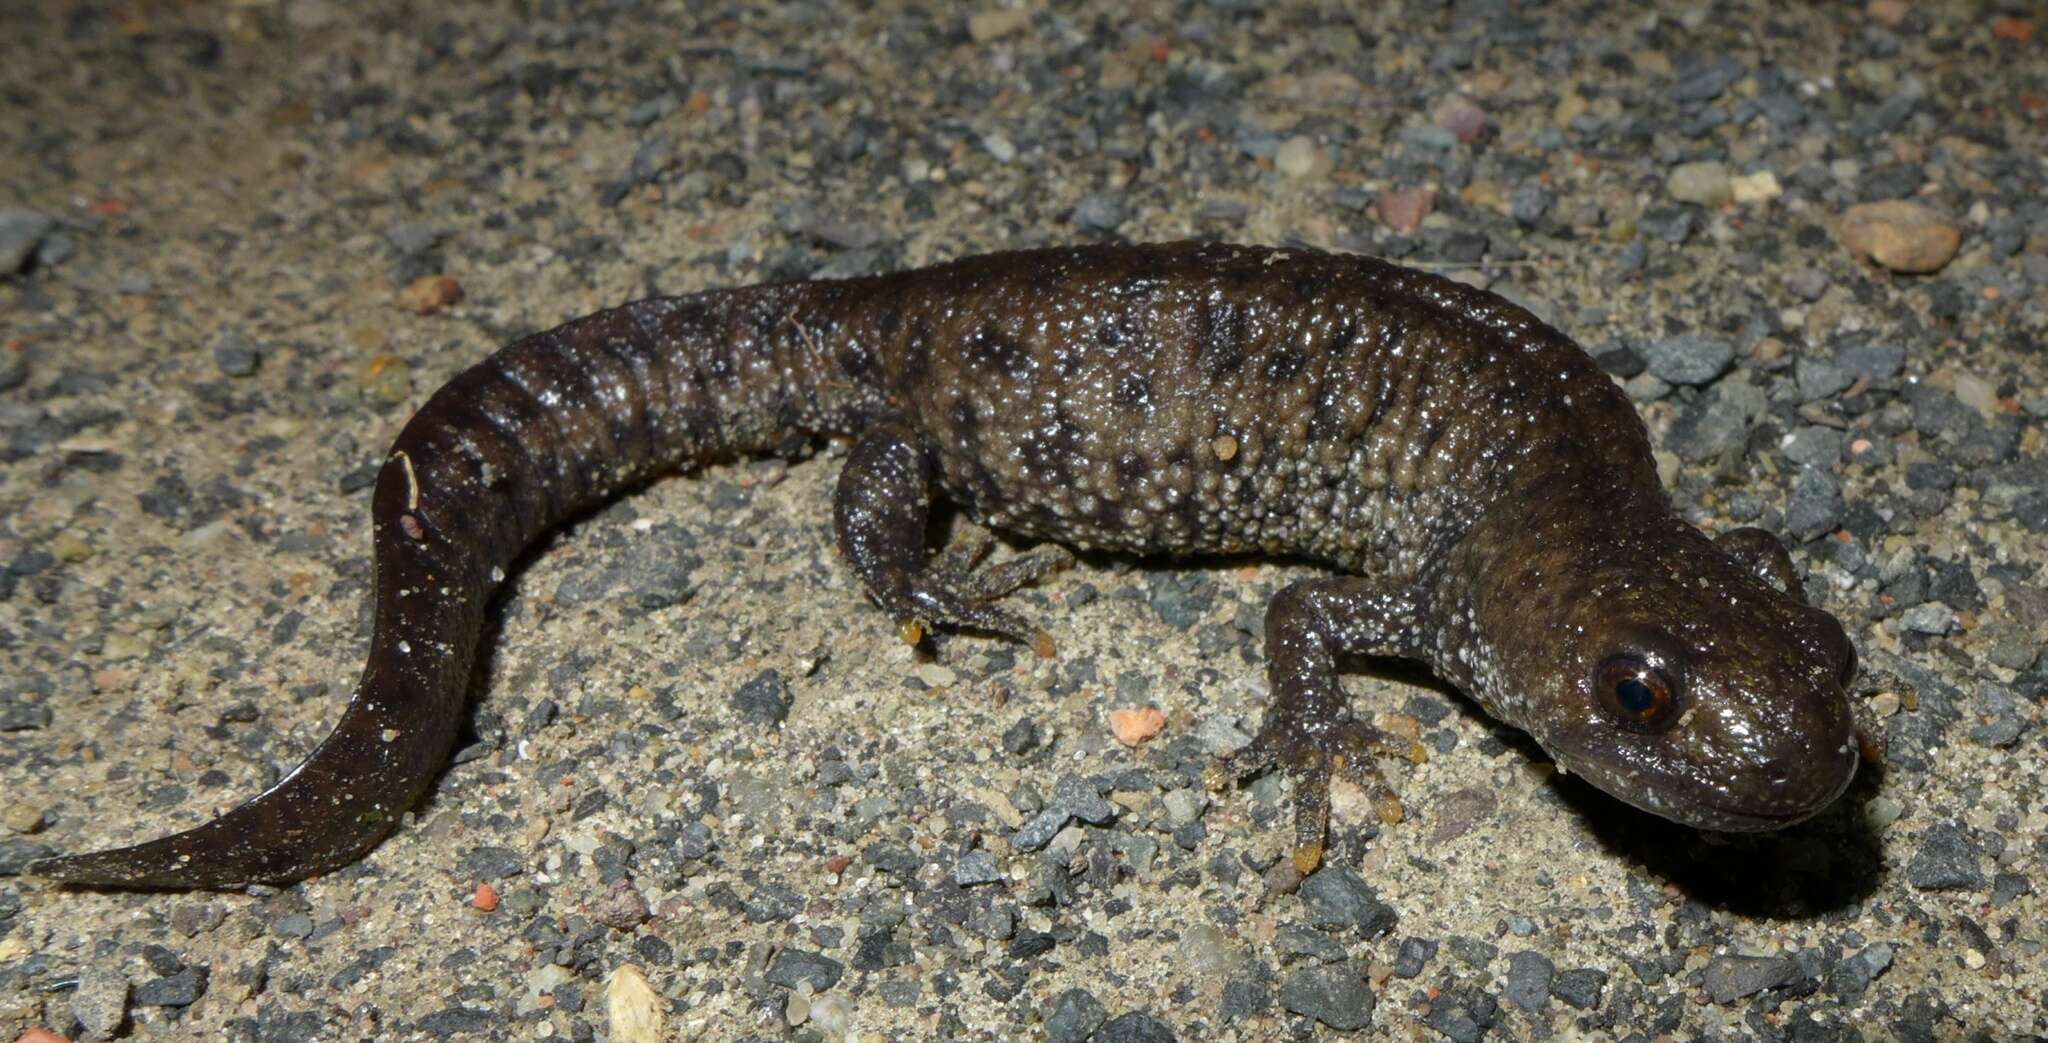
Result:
x=485 y=900
x=1135 y=726
x=40 y=1035
x=429 y=294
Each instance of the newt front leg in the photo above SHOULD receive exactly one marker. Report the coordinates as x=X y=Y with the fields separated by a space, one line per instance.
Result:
x=1310 y=730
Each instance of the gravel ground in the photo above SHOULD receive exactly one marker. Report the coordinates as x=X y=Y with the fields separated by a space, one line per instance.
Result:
x=238 y=242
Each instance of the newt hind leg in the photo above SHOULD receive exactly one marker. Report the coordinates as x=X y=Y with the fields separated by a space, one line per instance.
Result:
x=1310 y=731
x=882 y=512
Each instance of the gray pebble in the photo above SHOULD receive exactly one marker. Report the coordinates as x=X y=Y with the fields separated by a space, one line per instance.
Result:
x=1415 y=954
x=1850 y=976
x=1816 y=505
x=1619 y=360
x=2007 y=888
x=1688 y=358
x=411 y=238
x=56 y=249
x=1074 y=1017
x=1876 y=361
x=1530 y=202
x=1099 y=212
x=176 y=990
x=1529 y=975
x=1134 y=1027
x=19 y=716
x=20 y=232
x=100 y=1003
x=16 y=853
x=1670 y=224
x=765 y=700
x=2031 y=511
x=1038 y=832
x=1245 y=998
x=1334 y=994
x=1714 y=425
x=1730 y=978
x=1644 y=387
x=1300 y=941
x=1580 y=987
x=1807 y=284
x=2005 y=723
x=1338 y=897
x=976 y=867
x=792 y=966
x=1704 y=79
x=1814 y=446
x=1080 y=798
x=1022 y=737
x=1185 y=805
x=1946 y=861
x=1463 y=1015
x=235 y=354
x=294 y=926
x=493 y=863
x=1819 y=378
x=1931 y=617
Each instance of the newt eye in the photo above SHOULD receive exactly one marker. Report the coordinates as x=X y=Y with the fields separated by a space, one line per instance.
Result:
x=1639 y=695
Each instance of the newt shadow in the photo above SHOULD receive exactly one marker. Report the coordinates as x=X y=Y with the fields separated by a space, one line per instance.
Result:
x=1829 y=863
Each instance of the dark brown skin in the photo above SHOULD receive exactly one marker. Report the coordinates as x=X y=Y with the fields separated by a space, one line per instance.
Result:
x=1484 y=494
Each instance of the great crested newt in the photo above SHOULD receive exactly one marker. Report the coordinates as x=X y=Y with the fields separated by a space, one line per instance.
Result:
x=1483 y=495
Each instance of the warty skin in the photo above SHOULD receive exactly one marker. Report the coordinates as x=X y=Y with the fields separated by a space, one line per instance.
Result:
x=1483 y=496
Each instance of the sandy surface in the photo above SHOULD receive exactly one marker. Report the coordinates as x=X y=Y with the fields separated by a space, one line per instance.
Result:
x=216 y=324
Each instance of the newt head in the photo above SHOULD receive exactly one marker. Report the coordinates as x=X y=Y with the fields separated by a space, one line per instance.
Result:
x=1674 y=677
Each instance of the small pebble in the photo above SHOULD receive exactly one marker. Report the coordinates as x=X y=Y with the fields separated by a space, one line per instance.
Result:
x=1334 y=993
x=1688 y=358
x=235 y=354
x=998 y=22
x=1730 y=978
x=1457 y=114
x=1945 y=861
x=1414 y=955
x=20 y=232
x=23 y=817
x=1099 y=212
x=1134 y=1027
x=976 y=867
x=1900 y=235
x=387 y=379
x=1075 y=1016
x=1301 y=157
x=1402 y=209
x=1703 y=183
x=1529 y=976
x=1136 y=726
x=1760 y=187
x=633 y=1010
x=1580 y=988
x=430 y=294
x=100 y=1002
x=1337 y=897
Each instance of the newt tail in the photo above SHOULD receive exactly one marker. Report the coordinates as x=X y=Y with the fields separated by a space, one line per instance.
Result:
x=540 y=431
